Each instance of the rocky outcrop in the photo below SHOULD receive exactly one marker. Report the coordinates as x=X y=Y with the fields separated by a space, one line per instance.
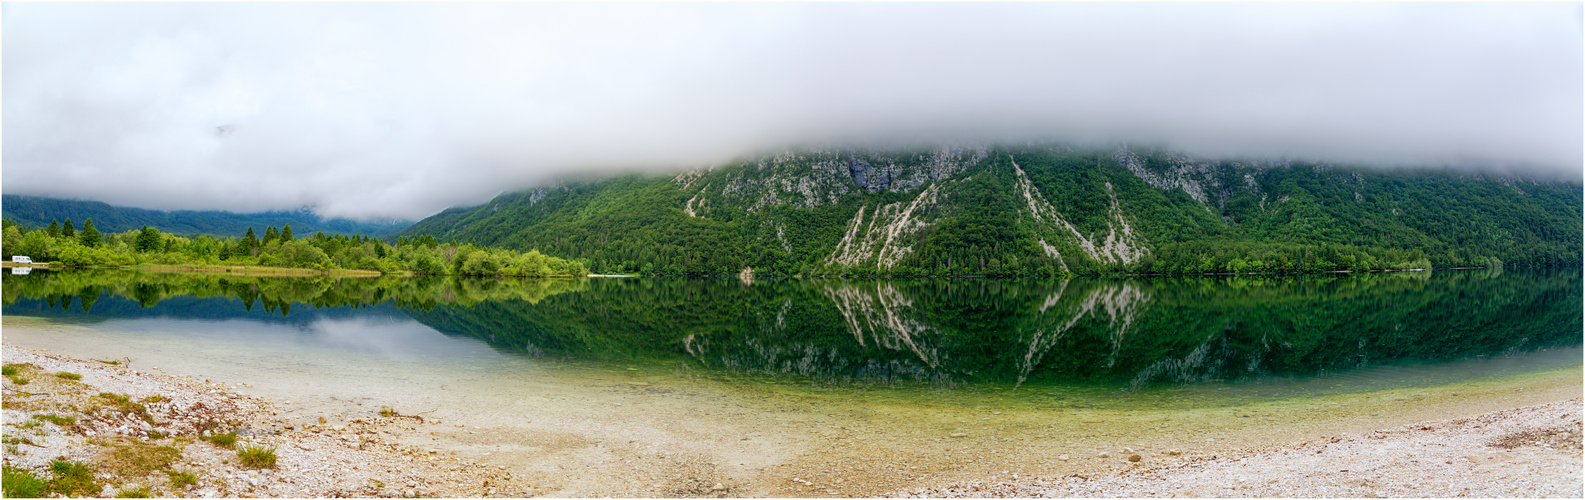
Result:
x=1209 y=182
x=697 y=204
x=1120 y=244
x=688 y=178
x=868 y=177
x=1193 y=178
x=814 y=178
x=887 y=235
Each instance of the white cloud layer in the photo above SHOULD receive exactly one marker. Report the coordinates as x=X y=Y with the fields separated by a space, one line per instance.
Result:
x=400 y=110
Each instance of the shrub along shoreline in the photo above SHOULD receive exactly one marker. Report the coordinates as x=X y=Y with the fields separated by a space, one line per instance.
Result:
x=278 y=252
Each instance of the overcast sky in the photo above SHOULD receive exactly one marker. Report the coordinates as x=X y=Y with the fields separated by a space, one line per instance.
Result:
x=400 y=110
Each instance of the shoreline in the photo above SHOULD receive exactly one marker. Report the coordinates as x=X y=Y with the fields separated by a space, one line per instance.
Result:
x=1529 y=451
x=352 y=456
x=360 y=457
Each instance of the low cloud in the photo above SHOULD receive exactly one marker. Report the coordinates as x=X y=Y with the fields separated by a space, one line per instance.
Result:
x=400 y=110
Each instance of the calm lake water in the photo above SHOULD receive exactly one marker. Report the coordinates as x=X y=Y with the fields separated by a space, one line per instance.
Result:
x=777 y=378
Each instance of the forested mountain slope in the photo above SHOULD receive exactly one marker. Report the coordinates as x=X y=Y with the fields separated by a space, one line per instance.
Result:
x=1030 y=210
x=35 y=211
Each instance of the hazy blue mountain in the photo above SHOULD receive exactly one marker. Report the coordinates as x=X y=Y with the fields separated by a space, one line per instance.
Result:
x=36 y=211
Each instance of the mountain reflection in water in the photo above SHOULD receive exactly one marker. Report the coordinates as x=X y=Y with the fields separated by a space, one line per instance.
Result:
x=1112 y=332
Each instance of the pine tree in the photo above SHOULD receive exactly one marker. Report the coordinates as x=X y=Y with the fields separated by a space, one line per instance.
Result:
x=286 y=233
x=148 y=240
x=90 y=236
x=67 y=230
x=54 y=230
x=270 y=235
x=249 y=242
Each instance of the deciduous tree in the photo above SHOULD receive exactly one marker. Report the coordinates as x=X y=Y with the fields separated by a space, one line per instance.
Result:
x=148 y=240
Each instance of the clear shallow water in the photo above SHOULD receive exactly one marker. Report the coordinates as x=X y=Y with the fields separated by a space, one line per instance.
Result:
x=792 y=378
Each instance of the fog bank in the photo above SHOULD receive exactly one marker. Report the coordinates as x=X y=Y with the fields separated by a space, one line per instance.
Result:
x=400 y=110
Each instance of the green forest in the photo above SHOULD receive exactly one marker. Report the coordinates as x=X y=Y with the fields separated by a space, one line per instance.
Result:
x=67 y=245
x=1028 y=210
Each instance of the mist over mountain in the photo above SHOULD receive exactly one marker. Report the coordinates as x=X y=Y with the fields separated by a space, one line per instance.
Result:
x=399 y=110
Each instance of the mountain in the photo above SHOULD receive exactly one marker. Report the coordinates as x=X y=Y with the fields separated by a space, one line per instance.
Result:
x=1047 y=209
x=35 y=211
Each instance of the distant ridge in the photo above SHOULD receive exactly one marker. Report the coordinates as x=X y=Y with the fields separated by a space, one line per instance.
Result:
x=38 y=211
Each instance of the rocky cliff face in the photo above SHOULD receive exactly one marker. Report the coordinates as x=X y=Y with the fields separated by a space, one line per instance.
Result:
x=887 y=237
x=1196 y=178
x=1212 y=183
x=875 y=172
x=814 y=178
x=1120 y=244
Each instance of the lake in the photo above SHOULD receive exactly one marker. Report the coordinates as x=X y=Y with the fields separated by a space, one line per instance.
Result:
x=626 y=386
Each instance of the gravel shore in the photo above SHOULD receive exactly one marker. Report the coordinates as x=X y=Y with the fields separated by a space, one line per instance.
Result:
x=54 y=417
x=1533 y=451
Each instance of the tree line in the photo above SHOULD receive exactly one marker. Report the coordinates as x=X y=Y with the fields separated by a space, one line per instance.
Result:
x=66 y=245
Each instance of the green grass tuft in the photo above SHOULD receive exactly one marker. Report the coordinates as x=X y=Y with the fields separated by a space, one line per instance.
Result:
x=386 y=411
x=133 y=458
x=181 y=479
x=69 y=375
x=14 y=371
x=226 y=440
x=123 y=404
x=73 y=478
x=13 y=440
x=110 y=362
x=256 y=456
x=66 y=421
x=139 y=492
x=20 y=483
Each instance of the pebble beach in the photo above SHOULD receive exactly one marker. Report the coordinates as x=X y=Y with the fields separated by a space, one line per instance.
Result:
x=1531 y=451
x=357 y=458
